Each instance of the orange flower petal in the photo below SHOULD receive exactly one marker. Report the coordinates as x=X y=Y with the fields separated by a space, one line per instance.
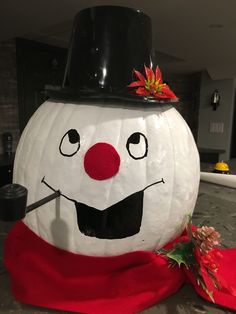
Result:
x=161 y=96
x=149 y=74
x=136 y=84
x=142 y=91
x=158 y=75
x=168 y=92
x=140 y=76
x=153 y=85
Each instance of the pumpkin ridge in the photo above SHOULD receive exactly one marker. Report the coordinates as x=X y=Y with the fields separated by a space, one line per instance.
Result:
x=107 y=243
x=33 y=188
x=52 y=123
x=173 y=176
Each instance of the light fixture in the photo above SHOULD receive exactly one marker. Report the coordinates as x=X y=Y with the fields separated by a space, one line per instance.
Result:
x=215 y=99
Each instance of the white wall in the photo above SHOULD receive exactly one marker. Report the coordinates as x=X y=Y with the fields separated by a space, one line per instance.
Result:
x=224 y=114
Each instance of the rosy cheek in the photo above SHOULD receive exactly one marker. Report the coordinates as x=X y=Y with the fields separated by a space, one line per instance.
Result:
x=101 y=161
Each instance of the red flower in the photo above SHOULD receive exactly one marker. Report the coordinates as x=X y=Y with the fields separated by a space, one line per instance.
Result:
x=152 y=85
x=207 y=268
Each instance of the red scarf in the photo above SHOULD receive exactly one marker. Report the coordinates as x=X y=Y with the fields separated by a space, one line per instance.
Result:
x=46 y=276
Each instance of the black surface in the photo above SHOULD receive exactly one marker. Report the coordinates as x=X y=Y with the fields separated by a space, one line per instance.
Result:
x=107 y=43
x=118 y=221
x=13 y=199
x=210 y=155
x=6 y=168
x=97 y=97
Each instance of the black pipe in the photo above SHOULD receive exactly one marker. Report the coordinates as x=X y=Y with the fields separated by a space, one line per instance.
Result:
x=13 y=200
x=43 y=201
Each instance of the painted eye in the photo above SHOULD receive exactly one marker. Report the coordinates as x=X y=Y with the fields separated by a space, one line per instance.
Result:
x=137 y=145
x=70 y=143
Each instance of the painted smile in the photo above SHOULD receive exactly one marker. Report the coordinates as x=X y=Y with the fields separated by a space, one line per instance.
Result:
x=118 y=221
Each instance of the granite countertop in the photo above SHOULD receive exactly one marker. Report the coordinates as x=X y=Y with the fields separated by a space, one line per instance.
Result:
x=216 y=206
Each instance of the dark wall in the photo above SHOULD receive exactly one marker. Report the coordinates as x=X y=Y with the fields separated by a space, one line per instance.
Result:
x=39 y=67
x=187 y=88
x=233 y=137
x=8 y=92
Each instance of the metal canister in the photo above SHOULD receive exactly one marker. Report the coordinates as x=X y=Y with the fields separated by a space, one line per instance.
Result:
x=7 y=140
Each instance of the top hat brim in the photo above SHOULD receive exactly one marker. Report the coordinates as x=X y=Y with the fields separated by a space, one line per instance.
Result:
x=98 y=96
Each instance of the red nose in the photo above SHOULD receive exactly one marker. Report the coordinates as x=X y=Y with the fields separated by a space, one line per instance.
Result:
x=101 y=161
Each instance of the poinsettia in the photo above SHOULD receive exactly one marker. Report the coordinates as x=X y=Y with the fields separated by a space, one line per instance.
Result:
x=152 y=85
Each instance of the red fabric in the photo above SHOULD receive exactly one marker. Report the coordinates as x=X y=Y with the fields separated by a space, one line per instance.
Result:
x=44 y=275
x=226 y=275
x=101 y=161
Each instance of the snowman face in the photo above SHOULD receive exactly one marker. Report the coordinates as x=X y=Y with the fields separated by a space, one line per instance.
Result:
x=128 y=177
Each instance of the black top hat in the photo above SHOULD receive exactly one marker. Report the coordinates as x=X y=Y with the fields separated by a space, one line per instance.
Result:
x=107 y=44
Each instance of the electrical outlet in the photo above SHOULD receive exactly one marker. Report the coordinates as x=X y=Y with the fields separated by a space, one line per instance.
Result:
x=220 y=127
x=212 y=127
x=216 y=127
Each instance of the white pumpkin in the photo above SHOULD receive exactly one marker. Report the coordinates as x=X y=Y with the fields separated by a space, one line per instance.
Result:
x=160 y=161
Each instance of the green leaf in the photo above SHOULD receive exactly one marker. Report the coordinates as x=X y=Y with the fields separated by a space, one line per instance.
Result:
x=182 y=253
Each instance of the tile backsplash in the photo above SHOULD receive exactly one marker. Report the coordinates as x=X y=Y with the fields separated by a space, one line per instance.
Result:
x=8 y=92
